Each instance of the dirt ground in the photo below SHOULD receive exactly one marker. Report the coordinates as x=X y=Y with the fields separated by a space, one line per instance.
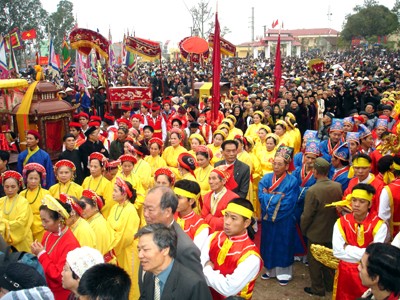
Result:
x=271 y=290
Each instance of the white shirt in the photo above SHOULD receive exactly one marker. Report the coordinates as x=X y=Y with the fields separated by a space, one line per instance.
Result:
x=230 y=284
x=351 y=253
x=384 y=206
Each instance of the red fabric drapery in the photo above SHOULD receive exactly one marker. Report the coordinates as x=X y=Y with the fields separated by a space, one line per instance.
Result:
x=54 y=135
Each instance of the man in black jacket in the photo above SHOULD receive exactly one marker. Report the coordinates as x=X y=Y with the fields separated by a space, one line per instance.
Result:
x=240 y=171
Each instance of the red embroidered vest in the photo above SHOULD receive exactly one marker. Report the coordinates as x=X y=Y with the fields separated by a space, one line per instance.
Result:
x=156 y=126
x=370 y=222
x=241 y=248
x=393 y=190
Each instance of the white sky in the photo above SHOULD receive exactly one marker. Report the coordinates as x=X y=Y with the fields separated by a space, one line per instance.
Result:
x=162 y=20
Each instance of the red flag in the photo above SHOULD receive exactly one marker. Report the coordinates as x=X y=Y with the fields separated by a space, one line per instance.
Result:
x=275 y=23
x=28 y=35
x=216 y=60
x=277 y=69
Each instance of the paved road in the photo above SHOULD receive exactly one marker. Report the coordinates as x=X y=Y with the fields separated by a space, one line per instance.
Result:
x=271 y=290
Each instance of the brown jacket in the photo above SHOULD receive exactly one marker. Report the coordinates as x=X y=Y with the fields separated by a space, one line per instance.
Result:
x=317 y=220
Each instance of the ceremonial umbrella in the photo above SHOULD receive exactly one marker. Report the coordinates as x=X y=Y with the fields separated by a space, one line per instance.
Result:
x=194 y=49
x=85 y=40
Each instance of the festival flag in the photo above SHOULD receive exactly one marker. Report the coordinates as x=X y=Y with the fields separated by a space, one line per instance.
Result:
x=277 y=69
x=28 y=35
x=130 y=61
x=14 y=38
x=122 y=58
x=227 y=48
x=3 y=60
x=52 y=57
x=216 y=60
x=12 y=62
x=145 y=48
x=275 y=23
x=65 y=55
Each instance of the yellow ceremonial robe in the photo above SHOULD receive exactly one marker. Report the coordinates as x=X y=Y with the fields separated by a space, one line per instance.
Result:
x=34 y=198
x=155 y=163
x=170 y=155
x=124 y=220
x=103 y=188
x=202 y=176
x=16 y=219
x=252 y=131
x=295 y=137
x=142 y=170
x=70 y=188
x=84 y=233
x=217 y=155
x=104 y=233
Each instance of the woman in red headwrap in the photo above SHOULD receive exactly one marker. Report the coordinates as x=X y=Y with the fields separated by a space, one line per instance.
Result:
x=97 y=182
x=65 y=171
x=171 y=153
x=124 y=220
x=164 y=177
x=91 y=205
x=35 y=175
x=154 y=159
x=128 y=162
x=186 y=166
x=16 y=216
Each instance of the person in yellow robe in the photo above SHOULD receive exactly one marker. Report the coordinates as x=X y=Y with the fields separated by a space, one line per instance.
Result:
x=171 y=153
x=65 y=170
x=154 y=159
x=219 y=137
x=16 y=216
x=233 y=131
x=203 y=155
x=252 y=130
x=128 y=162
x=262 y=138
x=97 y=182
x=257 y=172
x=281 y=131
x=267 y=154
x=34 y=175
x=124 y=220
x=195 y=140
x=293 y=132
x=79 y=226
x=142 y=168
x=91 y=205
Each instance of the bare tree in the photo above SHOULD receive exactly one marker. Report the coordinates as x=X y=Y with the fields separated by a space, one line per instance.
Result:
x=201 y=15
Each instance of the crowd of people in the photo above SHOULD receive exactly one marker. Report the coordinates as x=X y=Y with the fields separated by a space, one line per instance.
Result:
x=163 y=200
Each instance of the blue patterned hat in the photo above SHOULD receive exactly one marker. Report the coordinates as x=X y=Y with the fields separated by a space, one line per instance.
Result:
x=312 y=146
x=381 y=123
x=363 y=131
x=285 y=152
x=310 y=134
x=353 y=136
x=337 y=125
x=342 y=152
x=349 y=120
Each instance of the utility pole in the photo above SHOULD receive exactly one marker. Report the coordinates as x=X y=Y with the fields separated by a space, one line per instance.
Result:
x=252 y=24
x=265 y=31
